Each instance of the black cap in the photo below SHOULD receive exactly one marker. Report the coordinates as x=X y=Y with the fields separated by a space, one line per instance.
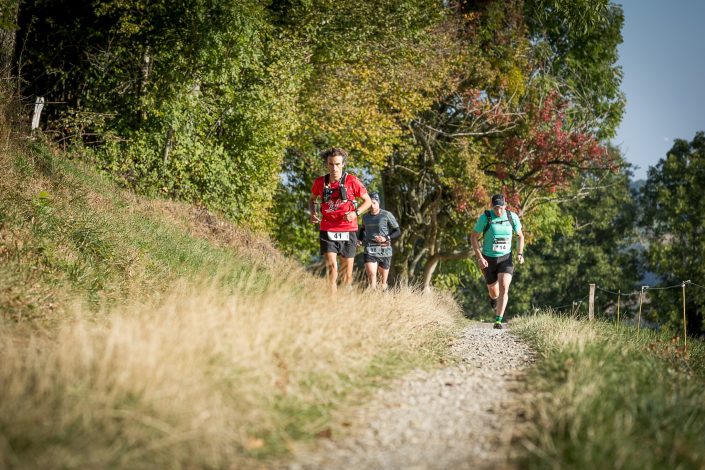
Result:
x=374 y=196
x=498 y=200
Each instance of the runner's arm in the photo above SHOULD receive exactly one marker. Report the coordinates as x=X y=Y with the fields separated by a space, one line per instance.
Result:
x=520 y=235
x=366 y=204
x=474 y=241
x=394 y=233
x=312 y=209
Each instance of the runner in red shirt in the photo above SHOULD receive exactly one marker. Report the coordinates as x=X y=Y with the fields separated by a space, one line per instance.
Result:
x=338 y=229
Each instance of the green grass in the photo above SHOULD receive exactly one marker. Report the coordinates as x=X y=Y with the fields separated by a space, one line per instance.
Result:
x=609 y=398
x=66 y=230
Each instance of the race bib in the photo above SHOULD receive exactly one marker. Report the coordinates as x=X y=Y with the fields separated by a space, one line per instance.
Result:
x=374 y=250
x=500 y=244
x=339 y=236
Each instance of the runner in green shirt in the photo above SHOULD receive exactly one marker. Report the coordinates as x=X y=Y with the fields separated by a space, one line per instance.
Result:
x=495 y=256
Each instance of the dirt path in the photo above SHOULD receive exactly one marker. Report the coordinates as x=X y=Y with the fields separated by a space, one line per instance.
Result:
x=459 y=417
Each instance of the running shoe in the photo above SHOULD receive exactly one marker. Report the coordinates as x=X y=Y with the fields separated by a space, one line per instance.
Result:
x=493 y=302
x=497 y=325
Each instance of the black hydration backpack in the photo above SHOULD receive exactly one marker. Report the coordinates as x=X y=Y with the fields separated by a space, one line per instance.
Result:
x=328 y=193
x=488 y=214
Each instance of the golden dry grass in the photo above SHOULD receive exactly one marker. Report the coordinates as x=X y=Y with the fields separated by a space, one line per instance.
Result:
x=113 y=356
x=196 y=378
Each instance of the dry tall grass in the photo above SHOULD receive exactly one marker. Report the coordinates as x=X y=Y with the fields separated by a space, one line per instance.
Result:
x=197 y=378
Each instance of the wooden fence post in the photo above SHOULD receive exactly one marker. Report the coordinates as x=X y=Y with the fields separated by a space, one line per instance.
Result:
x=641 y=301
x=685 y=332
x=38 y=105
x=619 y=295
x=591 y=304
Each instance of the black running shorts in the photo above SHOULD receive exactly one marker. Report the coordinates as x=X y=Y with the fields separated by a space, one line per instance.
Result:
x=500 y=264
x=346 y=249
x=383 y=261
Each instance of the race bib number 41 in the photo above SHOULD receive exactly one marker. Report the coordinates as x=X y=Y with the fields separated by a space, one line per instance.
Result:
x=500 y=244
x=339 y=236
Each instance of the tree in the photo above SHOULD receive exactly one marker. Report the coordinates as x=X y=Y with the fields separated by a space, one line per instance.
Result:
x=8 y=26
x=674 y=217
x=511 y=125
x=374 y=66
x=195 y=99
x=595 y=243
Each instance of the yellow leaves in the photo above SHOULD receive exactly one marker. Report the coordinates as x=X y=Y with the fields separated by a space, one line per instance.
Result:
x=366 y=105
x=516 y=84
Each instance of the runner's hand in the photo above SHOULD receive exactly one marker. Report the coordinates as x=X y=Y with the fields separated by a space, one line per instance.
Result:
x=380 y=239
x=482 y=262
x=315 y=219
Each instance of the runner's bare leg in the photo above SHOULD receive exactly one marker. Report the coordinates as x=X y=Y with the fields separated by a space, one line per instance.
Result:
x=332 y=270
x=383 y=274
x=346 y=269
x=371 y=271
x=504 y=279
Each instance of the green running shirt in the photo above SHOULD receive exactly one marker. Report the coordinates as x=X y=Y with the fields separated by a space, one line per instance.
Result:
x=498 y=238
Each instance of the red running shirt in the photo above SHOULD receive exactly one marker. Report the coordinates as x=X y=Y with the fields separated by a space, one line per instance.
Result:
x=334 y=210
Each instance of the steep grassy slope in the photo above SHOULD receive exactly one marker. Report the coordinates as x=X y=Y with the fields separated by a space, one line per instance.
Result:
x=144 y=333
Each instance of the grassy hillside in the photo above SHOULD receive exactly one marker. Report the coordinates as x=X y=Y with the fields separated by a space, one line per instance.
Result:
x=139 y=333
x=607 y=397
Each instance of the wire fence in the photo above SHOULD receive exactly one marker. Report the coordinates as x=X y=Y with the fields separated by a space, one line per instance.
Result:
x=624 y=306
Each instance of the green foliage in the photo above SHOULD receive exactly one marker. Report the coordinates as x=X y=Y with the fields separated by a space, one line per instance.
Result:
x=675 y=221
x=576 y=45
x=592 y=241
x=194 y=99
x=376 y=65
x=295 y=234
x=440 y=104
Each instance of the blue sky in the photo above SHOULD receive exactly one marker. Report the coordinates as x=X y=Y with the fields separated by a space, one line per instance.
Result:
x=663 y=61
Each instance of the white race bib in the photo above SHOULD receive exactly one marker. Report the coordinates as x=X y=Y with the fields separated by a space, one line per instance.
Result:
x=500 y=245
x=339 y=236
x=375 y=250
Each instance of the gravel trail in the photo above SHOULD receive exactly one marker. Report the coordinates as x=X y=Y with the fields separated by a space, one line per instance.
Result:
x=460 y=417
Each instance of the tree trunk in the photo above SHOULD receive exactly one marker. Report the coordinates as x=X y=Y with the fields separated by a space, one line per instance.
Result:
x=7 y=39
x=433 y=261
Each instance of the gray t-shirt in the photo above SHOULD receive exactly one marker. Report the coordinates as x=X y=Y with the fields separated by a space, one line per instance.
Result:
x=381 y=224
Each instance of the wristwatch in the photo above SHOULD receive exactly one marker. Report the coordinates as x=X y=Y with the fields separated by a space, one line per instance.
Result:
x=356 y=212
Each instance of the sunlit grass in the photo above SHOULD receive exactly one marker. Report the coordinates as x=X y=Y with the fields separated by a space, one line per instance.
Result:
x=199 y=378
x=140 y=333
x=607 y=397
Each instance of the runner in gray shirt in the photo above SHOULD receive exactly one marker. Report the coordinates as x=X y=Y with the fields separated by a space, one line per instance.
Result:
x=379 y=228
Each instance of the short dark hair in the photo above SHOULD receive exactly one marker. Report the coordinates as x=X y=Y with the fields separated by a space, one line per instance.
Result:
x=334 y=152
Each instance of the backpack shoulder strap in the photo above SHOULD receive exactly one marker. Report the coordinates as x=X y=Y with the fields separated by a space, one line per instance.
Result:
x=511 y=220
x=489 y=220
x=343 y=177
x=326 y=179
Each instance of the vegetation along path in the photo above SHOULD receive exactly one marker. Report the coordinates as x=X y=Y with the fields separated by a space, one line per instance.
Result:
x=465 y=416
